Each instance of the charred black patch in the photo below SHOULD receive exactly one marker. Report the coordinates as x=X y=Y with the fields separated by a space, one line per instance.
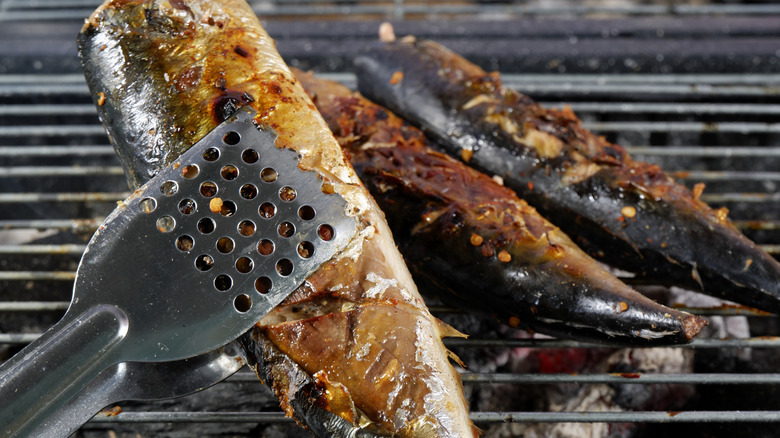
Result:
x=228 y=102
x=241 y=51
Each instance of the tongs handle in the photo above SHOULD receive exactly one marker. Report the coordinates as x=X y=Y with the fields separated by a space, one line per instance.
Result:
x=50 y=371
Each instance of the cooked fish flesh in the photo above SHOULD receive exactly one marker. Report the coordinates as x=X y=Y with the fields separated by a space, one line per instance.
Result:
x=354 y=351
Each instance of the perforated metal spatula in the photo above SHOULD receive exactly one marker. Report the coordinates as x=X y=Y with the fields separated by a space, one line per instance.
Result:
x=185 y=265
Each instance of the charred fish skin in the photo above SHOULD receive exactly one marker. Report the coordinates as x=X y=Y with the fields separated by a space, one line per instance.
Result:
x=476 y=244
x=627 y=213
x=165 y=73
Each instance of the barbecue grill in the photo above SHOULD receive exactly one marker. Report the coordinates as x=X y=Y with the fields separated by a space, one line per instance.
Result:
x=693 y=88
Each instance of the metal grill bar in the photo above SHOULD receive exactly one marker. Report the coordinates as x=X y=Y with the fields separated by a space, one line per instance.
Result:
x=666 y=108
x=682 y=151
x=759 y=342
x=726 y=127
x=58 y=171
x=589 y=107
x=6 y=198
x=477 y=417
x=678 y=84
x=33 y=306
x=65 y=171
x=46 y=110
x=51 y=224
x=37 y=275
x=705 y=151
x=402 y=9
x=42 y=249
x=637 y=379
x=51 y=130
x=507 y=78
x=54 y=151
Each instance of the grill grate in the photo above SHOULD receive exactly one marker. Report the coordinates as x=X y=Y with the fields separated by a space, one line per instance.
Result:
x=59 y=177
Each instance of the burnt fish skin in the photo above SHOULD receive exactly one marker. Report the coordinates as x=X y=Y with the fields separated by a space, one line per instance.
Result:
x=353 y=351
x=627 y=213
x=477 y=245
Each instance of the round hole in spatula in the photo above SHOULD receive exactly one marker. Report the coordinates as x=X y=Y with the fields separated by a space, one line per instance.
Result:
x=228 y=208
x=229 y=172
x=249 y=156
x=305 y=249
x=225 y=245
x=187 y=206
x=232 y=138
x=242 y=303
x=248 y=191
x=265 y=247
x=206 y=225
x=147 y=205
x=267 y=210
x=284 y=267
x=166 y=224
x=286 y=229
x=185 y=243
x=211 y=154
x=223 y=282
x=208 y=189
x=306 y=212
x=287 y=194
x=244 y=265
x=204 y=262
x=169 y=188
x=190 y=171
x=268 y=175
x=263 y=285
x=246 y=228
x=325 y=232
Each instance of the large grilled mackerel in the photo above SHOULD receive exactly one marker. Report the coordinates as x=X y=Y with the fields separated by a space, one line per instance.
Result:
x=627 y=213
x=477 y=245
x=354 y=351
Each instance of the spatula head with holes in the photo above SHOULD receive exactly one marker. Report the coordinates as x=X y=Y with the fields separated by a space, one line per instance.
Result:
x=210 y=245
x=185 y=265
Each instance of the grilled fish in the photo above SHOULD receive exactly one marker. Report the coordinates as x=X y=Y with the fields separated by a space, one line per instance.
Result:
x=472 y=240
x=353 y=351
x=627 y=213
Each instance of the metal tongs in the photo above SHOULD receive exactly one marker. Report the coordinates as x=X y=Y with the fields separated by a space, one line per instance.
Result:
x=185 y=265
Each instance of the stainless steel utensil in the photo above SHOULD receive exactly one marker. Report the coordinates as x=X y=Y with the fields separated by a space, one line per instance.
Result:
x=185 y=265
x=140 y=381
